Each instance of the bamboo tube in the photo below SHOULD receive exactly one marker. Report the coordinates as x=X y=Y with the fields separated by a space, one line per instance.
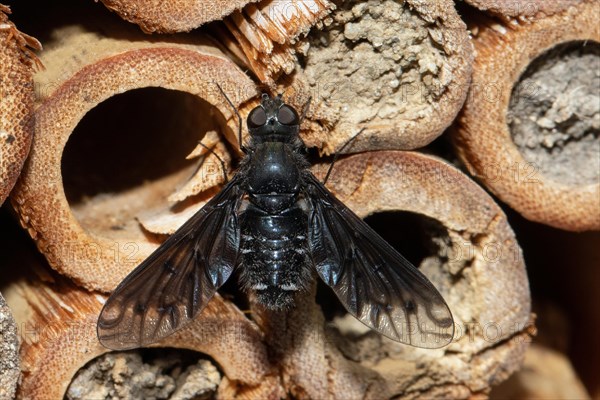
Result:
x=266 y=34
x=560 y=291
x=527 y=131
x=262 y=33
x=527 y=9
x=9 y=352
x=58 y=322
x=399 y=69
x=173 y=16
x=546 y=374
x=474 y=265
x=17 y=62
x=474 y=261
x=96 y=240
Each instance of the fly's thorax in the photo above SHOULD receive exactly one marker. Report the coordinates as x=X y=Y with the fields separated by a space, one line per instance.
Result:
x=273 y=203
x=273 y=169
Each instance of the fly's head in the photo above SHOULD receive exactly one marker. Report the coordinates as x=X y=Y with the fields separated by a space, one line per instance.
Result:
x=274 y=121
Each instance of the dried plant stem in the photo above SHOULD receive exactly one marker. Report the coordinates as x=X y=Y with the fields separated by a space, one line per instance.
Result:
x=547 y=183
x=546 y=374
x=399 y=69
x=478 y=259
x=97 y=240
x=474 y=261
x=268 y=32
x=173 y=16
x=262 y=33
x=58 y=323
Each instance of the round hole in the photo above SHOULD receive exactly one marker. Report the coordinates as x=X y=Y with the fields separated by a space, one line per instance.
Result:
x=129 y=153
x=147 y=373
x=554 y=114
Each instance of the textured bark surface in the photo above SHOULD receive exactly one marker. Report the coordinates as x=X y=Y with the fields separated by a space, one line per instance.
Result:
x=530 y=8
x=173 y=16
x=261 y=33
x=496 y=119
x=17 y=62
x=60 y=322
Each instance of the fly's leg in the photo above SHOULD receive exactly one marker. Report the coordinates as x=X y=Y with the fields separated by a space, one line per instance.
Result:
x=337 y=154
x=211 y=151
x=239 y=118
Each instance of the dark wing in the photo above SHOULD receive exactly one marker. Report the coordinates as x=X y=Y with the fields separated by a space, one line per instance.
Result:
x=175 y=283
x=373 y=281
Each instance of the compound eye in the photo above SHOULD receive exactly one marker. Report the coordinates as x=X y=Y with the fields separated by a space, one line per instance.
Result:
x=257 y=118
x=287 y=115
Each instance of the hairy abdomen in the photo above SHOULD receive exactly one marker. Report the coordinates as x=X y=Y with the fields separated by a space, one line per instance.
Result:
x=274 y=254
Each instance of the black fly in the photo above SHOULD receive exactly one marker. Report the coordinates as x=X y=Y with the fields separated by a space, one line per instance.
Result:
x=276 y=224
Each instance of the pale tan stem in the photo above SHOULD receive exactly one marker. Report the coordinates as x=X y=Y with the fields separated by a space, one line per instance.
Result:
x=57 y=323
x=271 y=33
x=546 y=374
x=97 y=240
x=264 y=33
x=173 y=16
x=550 y=192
